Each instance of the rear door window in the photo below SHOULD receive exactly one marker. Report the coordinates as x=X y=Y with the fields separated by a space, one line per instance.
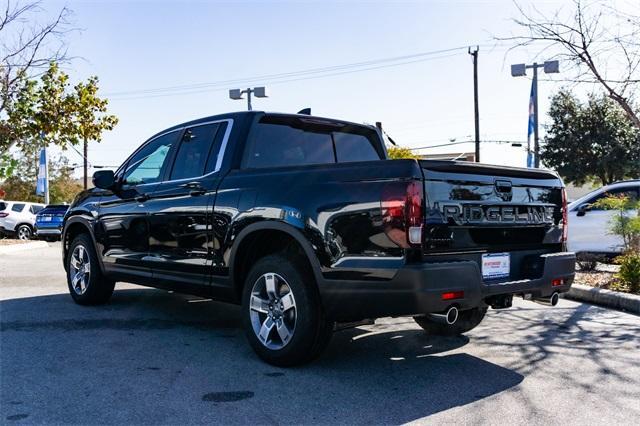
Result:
x=354 y=147
x=279 y=141
x=18 y=207
x=193 y=152
x=279 y=144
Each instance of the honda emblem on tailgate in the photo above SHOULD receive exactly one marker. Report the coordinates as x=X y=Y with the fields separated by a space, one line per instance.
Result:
x=503 y=189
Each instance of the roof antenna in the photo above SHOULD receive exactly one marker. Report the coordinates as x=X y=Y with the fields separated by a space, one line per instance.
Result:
x=305 y=111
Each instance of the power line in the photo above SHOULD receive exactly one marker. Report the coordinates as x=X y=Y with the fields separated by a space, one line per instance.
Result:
x=272 y=83
x=287 y=77
x=467 y=141
x=218 y=88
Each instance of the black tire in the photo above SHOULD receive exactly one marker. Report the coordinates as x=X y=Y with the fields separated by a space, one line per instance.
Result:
x=24 y=232
x=97 y=289
x=467 y=321
x=312 y=331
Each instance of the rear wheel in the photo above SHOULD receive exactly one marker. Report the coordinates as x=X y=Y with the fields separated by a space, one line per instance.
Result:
x=87 y=284
x=467 y=321
x=24 y=232
x=282 y=313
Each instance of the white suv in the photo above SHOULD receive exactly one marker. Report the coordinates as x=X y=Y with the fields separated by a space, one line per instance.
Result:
x=589 y=226
x=18 y=218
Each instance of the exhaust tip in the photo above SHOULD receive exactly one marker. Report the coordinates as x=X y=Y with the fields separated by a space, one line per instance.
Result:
x=452 y=315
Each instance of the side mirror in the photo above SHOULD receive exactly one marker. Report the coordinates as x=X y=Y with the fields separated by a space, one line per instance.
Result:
x=583 y=209
x=104 y=179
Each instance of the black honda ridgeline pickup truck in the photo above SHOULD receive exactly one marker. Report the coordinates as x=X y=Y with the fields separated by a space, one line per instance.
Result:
x=306 y=224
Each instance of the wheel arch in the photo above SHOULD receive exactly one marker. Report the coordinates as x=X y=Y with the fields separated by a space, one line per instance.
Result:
x=264 y=238
x=28 y=225
x=74 y=226
x=18 y=225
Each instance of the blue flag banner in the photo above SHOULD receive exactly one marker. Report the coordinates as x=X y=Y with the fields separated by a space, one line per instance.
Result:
x=532 y=123
x=42 y=186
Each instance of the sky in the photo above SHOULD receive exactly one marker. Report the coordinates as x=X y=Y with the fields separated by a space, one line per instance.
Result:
x=207 y=47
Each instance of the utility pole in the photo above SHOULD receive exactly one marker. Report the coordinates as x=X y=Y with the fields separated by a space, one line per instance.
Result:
x=476 y=111
x=86 y=162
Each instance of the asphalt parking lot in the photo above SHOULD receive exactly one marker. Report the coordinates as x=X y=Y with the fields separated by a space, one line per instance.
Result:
x=154 y=357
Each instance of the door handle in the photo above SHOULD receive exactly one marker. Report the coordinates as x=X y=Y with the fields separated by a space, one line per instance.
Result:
x=195 y=187
x=141 y=198
x=191 y=185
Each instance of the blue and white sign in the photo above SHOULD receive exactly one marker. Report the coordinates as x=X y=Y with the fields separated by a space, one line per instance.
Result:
x=42 y=185
x=532 y=124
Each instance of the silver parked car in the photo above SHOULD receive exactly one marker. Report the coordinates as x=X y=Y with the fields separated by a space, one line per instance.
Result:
x=589 y=225
x=18 y=218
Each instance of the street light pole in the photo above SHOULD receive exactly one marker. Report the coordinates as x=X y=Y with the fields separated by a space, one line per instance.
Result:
x=519 y=70
x=259 y=92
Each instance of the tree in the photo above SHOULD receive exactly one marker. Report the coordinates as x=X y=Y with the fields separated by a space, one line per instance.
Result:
x=90 y=116
x=601 y=41
x=7 y=165
x=28 y=45
x=590 y=141
x=399 y=152
x=49 y=111
x=62 y=185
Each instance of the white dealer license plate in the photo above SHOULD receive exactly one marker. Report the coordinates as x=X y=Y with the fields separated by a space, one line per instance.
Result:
x=46 y=218
x=495 y=265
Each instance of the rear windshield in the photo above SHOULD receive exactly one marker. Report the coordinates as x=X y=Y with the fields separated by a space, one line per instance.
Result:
x=54 y=210
x=3 y=205
x=279 y=141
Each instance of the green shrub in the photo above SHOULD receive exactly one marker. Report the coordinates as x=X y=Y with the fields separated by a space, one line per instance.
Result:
x=629 y=273
x=399 y=152
x=623 y=223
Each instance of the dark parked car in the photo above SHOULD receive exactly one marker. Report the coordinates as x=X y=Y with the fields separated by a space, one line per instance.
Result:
x=304 y=222
x=49 y=222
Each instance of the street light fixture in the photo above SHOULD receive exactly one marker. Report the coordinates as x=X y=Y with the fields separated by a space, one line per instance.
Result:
x=519 y=70
x=259 y=92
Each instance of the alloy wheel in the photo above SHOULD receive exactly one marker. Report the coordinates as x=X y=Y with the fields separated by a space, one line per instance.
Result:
x=273 y=311
x=24 y=233
x=80 y=269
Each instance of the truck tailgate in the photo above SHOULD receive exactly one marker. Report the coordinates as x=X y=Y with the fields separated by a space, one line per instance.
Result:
x=474 y=207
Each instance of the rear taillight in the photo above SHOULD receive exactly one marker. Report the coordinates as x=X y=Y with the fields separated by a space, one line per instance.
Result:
x=402 y=213
x=4 y=214
x=565 y=217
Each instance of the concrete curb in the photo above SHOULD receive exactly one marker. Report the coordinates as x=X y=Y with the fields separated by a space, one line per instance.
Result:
x=607 y=298
x=16 y=248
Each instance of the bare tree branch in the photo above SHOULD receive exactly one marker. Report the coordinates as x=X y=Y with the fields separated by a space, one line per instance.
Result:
x=26 y=46
x=586 y=38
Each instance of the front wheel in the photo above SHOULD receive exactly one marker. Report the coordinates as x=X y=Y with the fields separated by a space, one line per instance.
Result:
x=467 y=321
x=282 y=313
x=87 y=284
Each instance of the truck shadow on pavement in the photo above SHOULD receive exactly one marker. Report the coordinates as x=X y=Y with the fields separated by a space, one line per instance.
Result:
x=152 y=356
